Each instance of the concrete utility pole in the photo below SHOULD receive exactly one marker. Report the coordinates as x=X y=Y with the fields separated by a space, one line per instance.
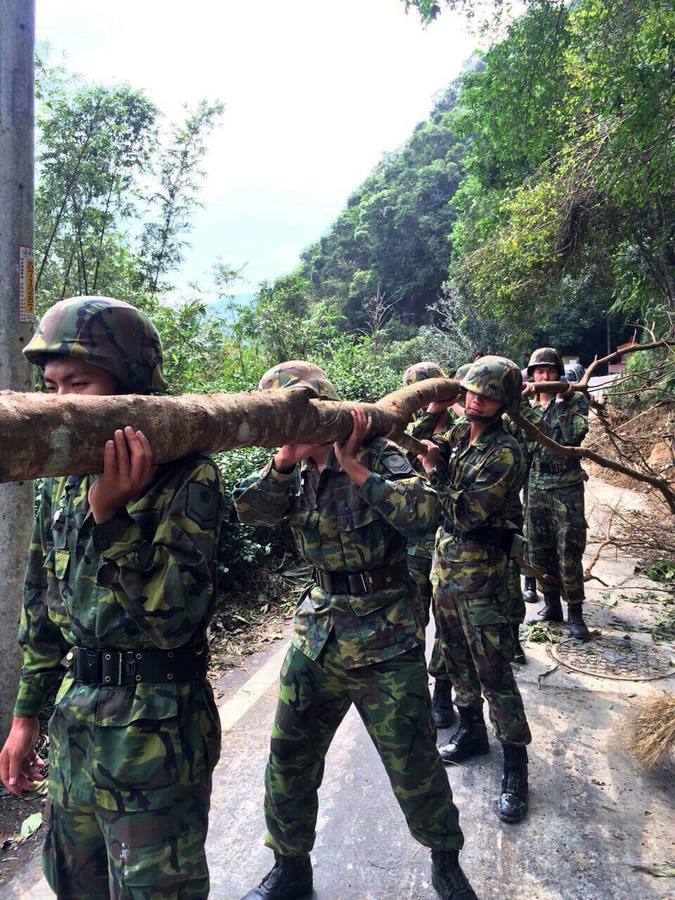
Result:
x=17 y=90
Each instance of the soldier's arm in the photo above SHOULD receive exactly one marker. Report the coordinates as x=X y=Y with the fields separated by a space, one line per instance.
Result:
x=471 y=506
x=565 y=421
x=569 y=420
x=265 y=497
x=42 y=643
x=165 y=581
x=403 y=498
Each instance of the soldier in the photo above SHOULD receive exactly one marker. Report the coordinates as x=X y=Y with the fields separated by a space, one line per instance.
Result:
x=119 y=590
x=351 y=508
x=475 y=468
x=437 y=418
x=556 y=526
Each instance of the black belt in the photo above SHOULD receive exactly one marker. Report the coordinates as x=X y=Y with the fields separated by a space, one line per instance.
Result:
x=557 y=468
x=117 y=667
x=361 y=582
x=491 y=537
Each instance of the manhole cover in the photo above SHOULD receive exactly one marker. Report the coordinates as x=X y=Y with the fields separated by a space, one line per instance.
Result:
x=608 y=657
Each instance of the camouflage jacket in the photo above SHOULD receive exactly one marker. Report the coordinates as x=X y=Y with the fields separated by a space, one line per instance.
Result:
x=422 y=427
x=477 y=484
x=566 y=421
x=144 y=579
x=339 y=527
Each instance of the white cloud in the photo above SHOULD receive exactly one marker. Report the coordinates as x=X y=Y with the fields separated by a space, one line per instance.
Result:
x=315 y=92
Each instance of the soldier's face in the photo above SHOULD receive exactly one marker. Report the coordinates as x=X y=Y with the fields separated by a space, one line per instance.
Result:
x=65 y=375
x=481 y=406
x=545 y=373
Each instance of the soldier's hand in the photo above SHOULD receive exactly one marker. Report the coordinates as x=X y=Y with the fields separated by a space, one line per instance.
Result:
x=346 y=453
x=19 y=763
x=127 y=469
x=529 y=390
x=430 y=459
x=290 y=454
x=360 y=428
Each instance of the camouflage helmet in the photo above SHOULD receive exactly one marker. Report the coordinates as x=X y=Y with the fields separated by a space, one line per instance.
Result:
x=461 y=371
x=545 y=356
x=421 y=372
x=494 y=377
x=104 y=332
x=297 y=372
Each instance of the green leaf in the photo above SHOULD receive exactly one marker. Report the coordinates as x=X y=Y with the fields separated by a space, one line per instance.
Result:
x=30 y=825
x=659 y=870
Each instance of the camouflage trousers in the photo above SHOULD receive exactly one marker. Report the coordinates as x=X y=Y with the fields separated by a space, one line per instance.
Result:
x=472 y=606
x=420 y=570
x=556 y=535
x=392 y=698
x=515 y=605
x=129 y=784
x=92 y=854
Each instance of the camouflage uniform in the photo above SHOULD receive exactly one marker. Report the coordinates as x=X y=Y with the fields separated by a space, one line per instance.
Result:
x=364 y=647
x=476 y=483
x=515 y=515
x=420 y=552
x=556 y=526
x=130 y=765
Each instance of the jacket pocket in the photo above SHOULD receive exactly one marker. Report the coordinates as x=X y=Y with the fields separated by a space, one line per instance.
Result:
x=137 y=745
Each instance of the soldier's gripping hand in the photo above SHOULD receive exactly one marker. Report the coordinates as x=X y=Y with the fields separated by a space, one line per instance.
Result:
x=290 y=454
x=19 y=763
x=346 y=453
x=430 y=459
x=127 y=469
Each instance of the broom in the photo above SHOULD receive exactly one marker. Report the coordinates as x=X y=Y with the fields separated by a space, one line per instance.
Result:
x=652 y=730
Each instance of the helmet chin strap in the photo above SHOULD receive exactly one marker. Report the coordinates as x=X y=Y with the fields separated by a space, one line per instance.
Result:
x=474 y=417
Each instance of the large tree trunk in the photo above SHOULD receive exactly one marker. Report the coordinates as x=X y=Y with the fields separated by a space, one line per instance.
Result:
x=43 y=435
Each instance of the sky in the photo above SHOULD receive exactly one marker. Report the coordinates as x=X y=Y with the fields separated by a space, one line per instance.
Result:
x=315 y=92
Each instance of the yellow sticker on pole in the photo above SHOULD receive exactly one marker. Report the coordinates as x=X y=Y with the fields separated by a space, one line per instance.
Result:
x=26 y=284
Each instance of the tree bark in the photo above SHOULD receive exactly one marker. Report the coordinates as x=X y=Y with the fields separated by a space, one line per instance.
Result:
x=43 y=435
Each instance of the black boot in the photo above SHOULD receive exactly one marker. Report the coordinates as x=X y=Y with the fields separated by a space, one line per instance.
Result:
x=518 y=652
x=447 y=876
x=575 y=621
x=290 y=879
x=551 y=611
x=442 y=710
x=470 y=739
x=530 y=592
x=513 y=801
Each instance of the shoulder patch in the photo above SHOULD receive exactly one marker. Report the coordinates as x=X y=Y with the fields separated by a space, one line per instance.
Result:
x=202 y=504
x=397 y=464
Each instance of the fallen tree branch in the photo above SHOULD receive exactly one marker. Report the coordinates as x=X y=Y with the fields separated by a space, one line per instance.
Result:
x=661 y=484
x=43 y=435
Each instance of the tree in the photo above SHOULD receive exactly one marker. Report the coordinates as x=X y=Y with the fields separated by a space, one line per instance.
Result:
x=177 y=195
x=93 y=146
x=570 y=170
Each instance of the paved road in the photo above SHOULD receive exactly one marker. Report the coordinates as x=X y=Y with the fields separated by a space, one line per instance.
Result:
x=595 y=814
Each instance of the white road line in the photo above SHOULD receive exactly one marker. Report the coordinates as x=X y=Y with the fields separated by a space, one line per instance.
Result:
x=232 y=710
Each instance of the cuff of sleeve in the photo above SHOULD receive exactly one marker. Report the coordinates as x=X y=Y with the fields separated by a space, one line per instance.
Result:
x=270 y=472
x=117 y=537
x=30 y=699
x=375 y=489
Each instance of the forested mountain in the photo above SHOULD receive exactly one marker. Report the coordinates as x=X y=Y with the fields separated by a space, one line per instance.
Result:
x=393 y=237
x=535 y=204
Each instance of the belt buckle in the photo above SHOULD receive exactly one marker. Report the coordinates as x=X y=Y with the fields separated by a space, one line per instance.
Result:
x=366 y=582
x=112 y=668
